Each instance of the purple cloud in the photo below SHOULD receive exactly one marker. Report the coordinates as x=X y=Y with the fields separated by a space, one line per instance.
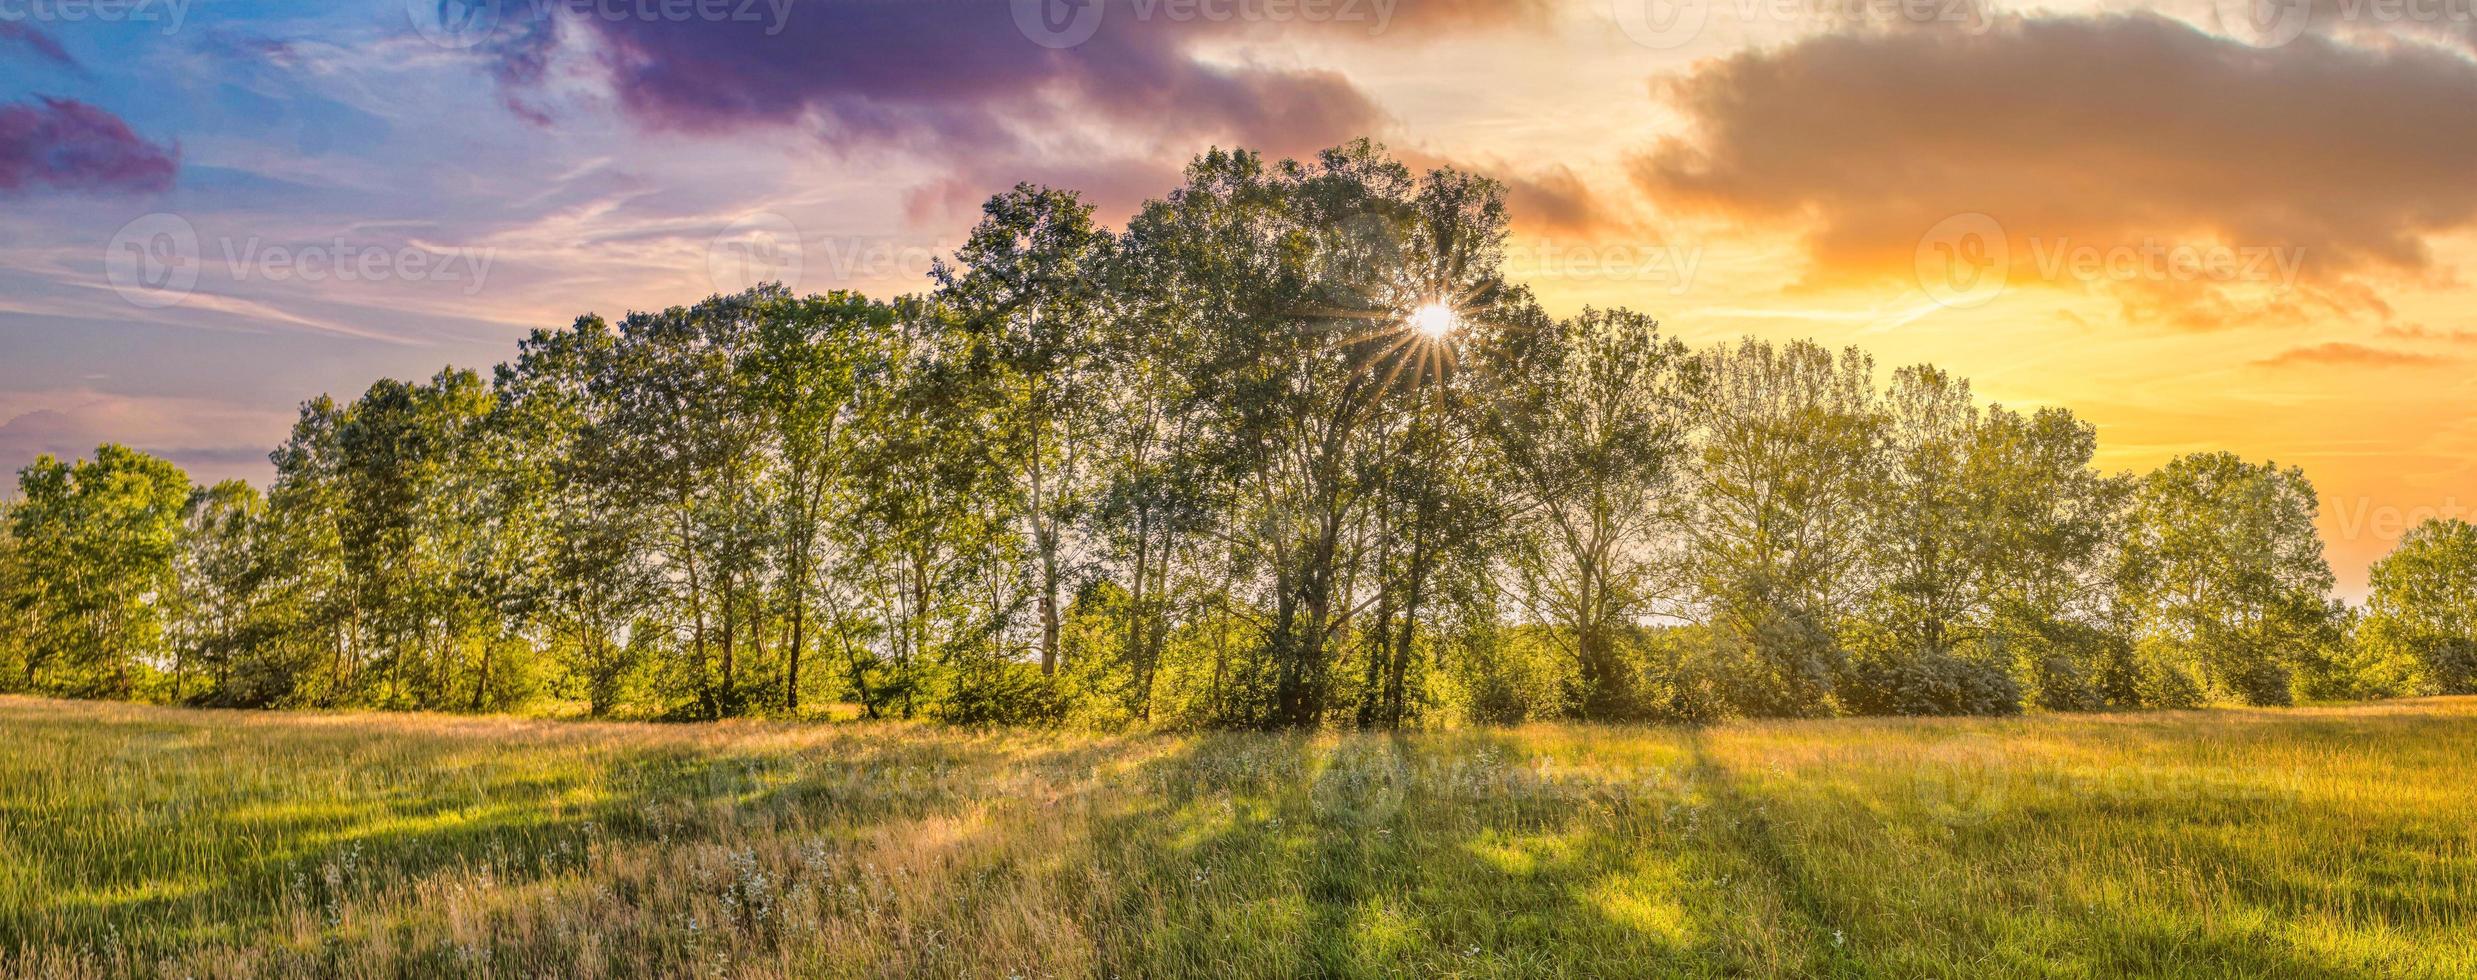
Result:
x=40 y=43
x=970 y=81
x=69 y=145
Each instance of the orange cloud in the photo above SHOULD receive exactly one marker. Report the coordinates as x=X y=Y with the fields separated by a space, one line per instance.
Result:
x=2342 y=353
x=2097 y=148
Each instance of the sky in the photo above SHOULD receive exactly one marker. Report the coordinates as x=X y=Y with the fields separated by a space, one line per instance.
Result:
x=2223 y=224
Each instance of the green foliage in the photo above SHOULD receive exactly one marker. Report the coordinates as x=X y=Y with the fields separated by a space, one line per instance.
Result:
x=2420 y=627
x=1286 y=452
x=94 y=544
x=2224 y=569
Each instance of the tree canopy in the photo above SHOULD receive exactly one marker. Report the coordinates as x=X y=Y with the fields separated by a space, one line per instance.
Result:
x=1288 y=450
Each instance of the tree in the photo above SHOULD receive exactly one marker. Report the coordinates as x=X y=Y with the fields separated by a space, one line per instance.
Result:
x=222 y=591
x=1587 y=421
x=1031 y=281
x=2226 y=577
x=578 y=581
x=412 y=527
x=1982 y=528
x=97 y=542
x=1291 y=286
x=1288 y=452
x=804 y=375
x=2422 y=608
x=304 y=546
x=20 y=605
x=926 y=550
x=1785 y=452
x=671 y=436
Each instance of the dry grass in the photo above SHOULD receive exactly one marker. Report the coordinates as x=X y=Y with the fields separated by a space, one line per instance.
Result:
x=2307 y=842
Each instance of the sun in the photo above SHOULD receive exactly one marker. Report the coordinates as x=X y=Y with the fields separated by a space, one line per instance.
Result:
x=1433 y=321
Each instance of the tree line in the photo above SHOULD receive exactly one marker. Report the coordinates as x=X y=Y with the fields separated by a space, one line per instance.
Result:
x=1287 y=451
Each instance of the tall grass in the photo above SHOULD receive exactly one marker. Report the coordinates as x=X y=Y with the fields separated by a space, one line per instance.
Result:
x=2306 y=842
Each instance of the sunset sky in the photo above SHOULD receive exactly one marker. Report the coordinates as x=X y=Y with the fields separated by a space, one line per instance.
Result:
x=2202 y=226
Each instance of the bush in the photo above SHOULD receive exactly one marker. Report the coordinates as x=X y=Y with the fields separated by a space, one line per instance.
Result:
x=1506 y=676
x=1779 y=663
x=1928 y=682
x=1683 y=681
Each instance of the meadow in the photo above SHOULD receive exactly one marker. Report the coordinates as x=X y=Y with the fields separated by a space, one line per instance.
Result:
x=2307 y=842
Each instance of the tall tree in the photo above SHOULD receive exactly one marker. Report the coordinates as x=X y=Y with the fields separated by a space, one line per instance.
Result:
x=1295 y=285
x=222 y=591
x=2226 y=574
x=1588 y=424
x=1786 y=450
x=805 y=374
x=2423 y=605
x=98 y=538
x=1032 y=280
x=579 y=581
x=924 y=532
x=672 y=437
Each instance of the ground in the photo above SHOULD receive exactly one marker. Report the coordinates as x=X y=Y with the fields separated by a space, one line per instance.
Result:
x=2338 y=841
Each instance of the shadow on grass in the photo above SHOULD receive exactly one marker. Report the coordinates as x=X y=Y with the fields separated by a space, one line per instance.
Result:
x=1628 y=852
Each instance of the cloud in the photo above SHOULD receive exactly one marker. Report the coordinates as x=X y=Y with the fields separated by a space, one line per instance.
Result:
x=2103 y=133
x=2339 y=353
x=946 y=75
x=966 y=83
x=212 y=440
x=2447 y=22
x=64 y=144
x=2420 y=332
x=38 y=42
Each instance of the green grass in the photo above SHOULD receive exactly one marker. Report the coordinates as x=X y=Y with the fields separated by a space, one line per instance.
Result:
x=2306 y=842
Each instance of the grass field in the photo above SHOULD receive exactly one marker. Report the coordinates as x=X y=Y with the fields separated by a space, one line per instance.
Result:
x=2305 y=842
